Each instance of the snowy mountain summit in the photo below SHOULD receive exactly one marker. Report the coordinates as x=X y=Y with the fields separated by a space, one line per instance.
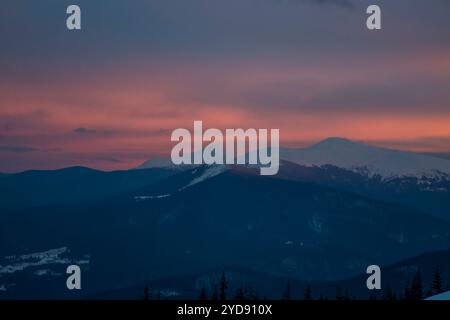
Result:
x=355 y=156
x=369 y=160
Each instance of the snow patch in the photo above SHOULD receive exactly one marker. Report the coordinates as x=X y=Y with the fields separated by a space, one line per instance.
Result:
x=143 y=198
x=42 y=272
x=46 y=272
x=441 y=296
x=169 y=293
x=210 y=172
x=316 y=224
x=24 y=261
x=49 y=254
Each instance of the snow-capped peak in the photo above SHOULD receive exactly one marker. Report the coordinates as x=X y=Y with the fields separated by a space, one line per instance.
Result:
x=368 y=160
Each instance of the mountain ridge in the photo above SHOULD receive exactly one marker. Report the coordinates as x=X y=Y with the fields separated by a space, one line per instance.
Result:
x=359 y=157
x=368 y=160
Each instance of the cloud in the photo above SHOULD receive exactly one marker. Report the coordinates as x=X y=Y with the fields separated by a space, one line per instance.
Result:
x=108 y=159
x=17 y=149
x=339 y=3
x=84 y=130
x=435 y=144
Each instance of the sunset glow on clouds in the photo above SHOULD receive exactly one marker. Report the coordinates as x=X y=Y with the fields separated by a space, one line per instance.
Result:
x=110 y=96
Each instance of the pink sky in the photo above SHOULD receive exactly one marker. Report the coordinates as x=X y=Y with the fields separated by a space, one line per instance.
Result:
x=110 y=96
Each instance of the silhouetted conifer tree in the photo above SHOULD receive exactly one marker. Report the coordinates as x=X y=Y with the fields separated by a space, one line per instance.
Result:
x=215 y=294
x=437 y=282
x=407 y=292
x=373 y=295
x=416 y=290
x=240 y=294
x=346 y=295
x=308 y=293
x=146 y=295
x=223 y=287
x=203 y=294
x=250 y=293
x=389 y=294
x=287 y=292
x=339 y=295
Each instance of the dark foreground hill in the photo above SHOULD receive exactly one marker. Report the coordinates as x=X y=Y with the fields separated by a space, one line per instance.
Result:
x=257 y=285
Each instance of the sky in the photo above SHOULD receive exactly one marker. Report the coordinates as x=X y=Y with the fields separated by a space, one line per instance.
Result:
x=110 y=95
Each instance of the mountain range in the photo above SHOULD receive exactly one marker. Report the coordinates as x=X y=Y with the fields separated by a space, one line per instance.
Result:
x=355 y=156
x=419 y=181
x=314 y=222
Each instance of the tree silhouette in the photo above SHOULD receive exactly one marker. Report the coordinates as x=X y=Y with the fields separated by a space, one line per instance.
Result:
x=287 y=291
x=389 y=294
x=342 y=296
x=373 y=295
x=308 y=293
x=407 y=292
x=250 y=293
x=215 y=294
x=339 y=295
x=223 y=287
x=437 y=286
x=322 y=297
x=240 y=294
x=203 y=294
x=346 y=295
x=146 y=295
x=416 y=290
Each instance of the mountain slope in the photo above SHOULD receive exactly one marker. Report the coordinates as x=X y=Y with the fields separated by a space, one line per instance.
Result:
x=369 y=160
x=428 y=195
x=288 y=228
x=75 y=184
x=397 y=275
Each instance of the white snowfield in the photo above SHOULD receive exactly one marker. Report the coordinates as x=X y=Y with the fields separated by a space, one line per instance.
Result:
x=441 y=296
x=369 y=160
